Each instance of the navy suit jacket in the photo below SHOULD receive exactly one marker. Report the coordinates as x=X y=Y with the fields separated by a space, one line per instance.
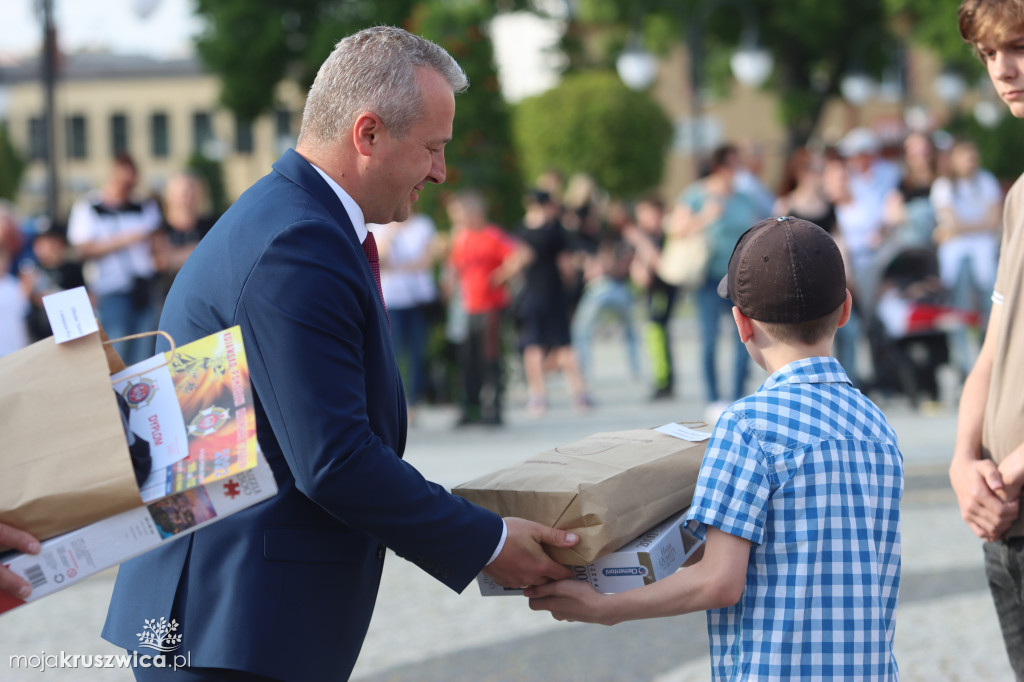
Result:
x=286 y=588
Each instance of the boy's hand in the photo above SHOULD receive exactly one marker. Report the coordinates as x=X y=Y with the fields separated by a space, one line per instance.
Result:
x=1008 y=492
x=977 y=484
x=571 y=600
x=1011 y=476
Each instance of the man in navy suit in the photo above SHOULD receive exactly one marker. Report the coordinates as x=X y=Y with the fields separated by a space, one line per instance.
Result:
x=285 y=589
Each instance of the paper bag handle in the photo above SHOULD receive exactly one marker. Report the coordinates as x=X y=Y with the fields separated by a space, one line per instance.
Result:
x=170 y=340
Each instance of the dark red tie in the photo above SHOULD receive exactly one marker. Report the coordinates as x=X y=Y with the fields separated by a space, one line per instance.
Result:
x=370 y=249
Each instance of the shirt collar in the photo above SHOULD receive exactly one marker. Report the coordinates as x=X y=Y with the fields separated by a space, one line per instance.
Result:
x=355 y=214
x=817 y=370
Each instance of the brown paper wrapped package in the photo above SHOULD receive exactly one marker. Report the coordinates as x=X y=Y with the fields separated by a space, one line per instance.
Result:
x=608 y=488
x=64 y=460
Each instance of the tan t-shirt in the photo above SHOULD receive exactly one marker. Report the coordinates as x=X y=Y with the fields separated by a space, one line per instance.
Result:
x=1003 y=427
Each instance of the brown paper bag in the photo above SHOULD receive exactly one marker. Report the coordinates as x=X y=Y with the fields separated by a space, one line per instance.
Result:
x=608 y=488
x=64 y=460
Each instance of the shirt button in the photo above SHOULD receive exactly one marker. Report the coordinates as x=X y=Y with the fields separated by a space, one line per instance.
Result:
x=380 y=552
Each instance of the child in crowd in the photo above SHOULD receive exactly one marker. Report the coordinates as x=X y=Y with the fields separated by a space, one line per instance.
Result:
x=798 y=496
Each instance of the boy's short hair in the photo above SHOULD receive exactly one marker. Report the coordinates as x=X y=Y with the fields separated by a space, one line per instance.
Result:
x=807 y=333
x=990 y=20
x=787 y=272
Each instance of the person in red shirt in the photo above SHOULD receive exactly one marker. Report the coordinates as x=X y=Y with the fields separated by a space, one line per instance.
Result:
x=483 y=258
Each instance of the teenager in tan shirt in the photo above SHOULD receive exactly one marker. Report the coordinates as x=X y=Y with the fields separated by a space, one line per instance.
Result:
x=987 y=470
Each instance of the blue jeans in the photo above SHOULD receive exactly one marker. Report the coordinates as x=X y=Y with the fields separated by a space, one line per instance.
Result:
x=711 y=308
x=1004 y=566
x=599 y=296
x=848 y=337
x=120 y=318
x=409 y=340
x=661 y=298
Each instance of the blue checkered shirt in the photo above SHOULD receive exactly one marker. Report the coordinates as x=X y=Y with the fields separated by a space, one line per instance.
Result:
x=809 y=471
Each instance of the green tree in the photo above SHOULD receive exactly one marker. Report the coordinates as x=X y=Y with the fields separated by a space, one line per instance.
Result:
x=12 y=166
x=592 y=123
x=212 y=174
x=933 y=24
x=253 y=46
x=481 y=153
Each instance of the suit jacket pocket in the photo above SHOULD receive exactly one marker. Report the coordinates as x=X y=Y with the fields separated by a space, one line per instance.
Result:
x=315 y=545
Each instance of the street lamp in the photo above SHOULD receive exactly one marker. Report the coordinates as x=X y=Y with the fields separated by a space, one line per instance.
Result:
x=950 y=87
x=751 y=65
x=989 y=111
x=637 y=68
x=857 y=87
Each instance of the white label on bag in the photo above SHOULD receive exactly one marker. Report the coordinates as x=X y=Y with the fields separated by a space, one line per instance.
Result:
x=684 y=432
x=70 y=314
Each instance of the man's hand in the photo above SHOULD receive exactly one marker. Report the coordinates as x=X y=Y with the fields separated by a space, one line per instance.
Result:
x=522 y=561
x=10 y=583
x=571 y=600
x=977 y=484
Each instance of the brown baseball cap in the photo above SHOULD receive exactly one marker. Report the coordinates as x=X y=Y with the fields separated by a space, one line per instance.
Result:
x=785 y=270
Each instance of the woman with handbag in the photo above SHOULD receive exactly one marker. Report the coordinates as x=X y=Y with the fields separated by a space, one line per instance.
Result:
x=713 y=208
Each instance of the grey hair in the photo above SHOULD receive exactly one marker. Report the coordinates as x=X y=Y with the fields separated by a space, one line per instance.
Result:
x=374 y=70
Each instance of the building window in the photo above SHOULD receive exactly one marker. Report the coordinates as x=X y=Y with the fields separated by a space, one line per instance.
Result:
x=243 y=136
x=37 y=146
x=202 y=132
x=118 y=134
x=283 y=130
x=77 y=137
x=160 y=136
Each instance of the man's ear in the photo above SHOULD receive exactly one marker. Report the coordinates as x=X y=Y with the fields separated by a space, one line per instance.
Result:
x=366 y=132
x=743 y=324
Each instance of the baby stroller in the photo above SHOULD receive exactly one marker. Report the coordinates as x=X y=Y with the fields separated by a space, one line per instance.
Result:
x=909 y=322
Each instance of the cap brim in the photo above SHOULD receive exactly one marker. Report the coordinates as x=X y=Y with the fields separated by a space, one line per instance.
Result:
x=723 y=288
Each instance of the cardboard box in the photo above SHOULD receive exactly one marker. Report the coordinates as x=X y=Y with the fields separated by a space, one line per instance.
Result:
x=652 y=556
x=607 y=488
x=67 y=559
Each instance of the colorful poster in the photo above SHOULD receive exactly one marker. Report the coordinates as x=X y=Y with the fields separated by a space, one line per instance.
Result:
x=211 y=381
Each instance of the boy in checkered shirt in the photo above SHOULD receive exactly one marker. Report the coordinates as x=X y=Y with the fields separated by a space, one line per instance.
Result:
x=798 y=496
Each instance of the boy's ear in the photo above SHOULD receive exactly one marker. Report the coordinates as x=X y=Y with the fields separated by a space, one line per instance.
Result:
x=743 y=324
x=847 y=309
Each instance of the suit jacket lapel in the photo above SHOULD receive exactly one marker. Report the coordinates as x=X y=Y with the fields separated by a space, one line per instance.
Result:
x=296 y=169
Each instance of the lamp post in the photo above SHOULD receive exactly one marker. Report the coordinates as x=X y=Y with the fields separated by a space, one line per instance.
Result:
x=751 y=66
x=49 y=78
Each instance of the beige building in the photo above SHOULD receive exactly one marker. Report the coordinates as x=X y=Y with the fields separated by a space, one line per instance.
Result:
x=160 y=112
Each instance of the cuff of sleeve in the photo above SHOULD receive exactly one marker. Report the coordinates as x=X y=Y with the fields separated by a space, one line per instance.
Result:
x=501 y=543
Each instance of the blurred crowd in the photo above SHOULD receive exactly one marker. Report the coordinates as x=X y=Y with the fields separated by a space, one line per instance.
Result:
x=917 y=222
x=474 y=305
x=124 y=248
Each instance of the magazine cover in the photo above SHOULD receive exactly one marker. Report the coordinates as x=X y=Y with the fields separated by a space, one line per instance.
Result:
x=208 y=432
